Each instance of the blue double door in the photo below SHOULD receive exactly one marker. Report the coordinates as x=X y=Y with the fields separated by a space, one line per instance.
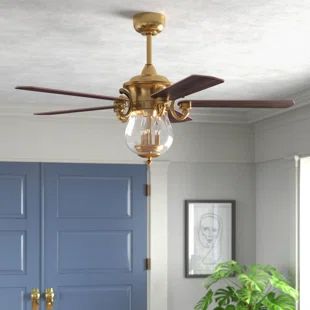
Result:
x=77 y=228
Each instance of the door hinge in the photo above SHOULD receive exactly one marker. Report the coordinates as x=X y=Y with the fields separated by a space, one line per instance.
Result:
x=147 y=263
x=147 y=190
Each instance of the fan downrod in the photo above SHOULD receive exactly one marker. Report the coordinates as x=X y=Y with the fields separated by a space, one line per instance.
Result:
x=149 y=23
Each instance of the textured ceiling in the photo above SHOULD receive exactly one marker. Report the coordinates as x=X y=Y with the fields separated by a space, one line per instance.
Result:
x=260 y=48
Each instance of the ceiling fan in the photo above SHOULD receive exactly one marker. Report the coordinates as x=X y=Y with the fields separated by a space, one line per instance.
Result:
x=147 y=101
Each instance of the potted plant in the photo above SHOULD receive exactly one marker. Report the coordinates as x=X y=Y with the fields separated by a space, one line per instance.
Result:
x=254 y=287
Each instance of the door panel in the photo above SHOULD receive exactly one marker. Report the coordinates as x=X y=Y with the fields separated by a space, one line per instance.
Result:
x=19 y=234
x=93 y=192
x=12 y=260
x=98 y=297
x=106 y=251
x=14 y=298
x=95 y=228
x=12 y=189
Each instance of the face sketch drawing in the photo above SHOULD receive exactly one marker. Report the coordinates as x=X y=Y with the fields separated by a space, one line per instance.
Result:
x=209 y=230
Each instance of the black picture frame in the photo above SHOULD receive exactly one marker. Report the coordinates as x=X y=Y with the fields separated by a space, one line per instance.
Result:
x=210 y=229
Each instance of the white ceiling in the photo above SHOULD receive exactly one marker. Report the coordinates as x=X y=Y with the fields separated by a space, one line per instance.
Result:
x=260 y=48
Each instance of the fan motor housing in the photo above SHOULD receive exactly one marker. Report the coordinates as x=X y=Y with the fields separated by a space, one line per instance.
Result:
x=142 y=86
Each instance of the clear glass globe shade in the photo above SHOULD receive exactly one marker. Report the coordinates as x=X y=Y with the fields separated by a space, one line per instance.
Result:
x=148 y=136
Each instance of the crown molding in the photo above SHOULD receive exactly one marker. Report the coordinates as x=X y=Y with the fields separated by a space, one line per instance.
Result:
x=216 y=116
x=301 y=99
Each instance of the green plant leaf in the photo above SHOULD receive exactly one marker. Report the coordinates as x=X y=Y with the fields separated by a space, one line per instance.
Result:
x=281 y=302
x=284 y=287
x=272 y=271
x=249 y=297
x=260 y=307
x=288 y=302
x=250 y=289
x=205 y=301
x=255 y=279
x=241 y=306
x=223 y=271
x=244 y=295
x=257 y=297
x=224 y=296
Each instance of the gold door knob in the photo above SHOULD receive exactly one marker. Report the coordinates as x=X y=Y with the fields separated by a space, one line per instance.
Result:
x=35 y=298
x=49 y=298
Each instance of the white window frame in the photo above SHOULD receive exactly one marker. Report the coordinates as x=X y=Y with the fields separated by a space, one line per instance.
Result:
x=304 y=233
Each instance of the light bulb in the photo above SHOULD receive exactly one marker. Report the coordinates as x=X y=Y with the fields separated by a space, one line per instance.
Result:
x=148 y=135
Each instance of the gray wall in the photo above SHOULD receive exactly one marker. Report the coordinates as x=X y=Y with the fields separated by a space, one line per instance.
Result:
x=275 y=215
x=206 y=181
x=277 y=140
x=75 y=139
x=284 y=135
x=264 y=190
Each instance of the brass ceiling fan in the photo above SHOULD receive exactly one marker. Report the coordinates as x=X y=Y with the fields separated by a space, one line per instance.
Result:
x=147 y=101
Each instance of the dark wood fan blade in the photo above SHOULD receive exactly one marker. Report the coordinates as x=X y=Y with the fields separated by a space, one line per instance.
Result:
x=75 y=110
x=191 y=84
x=64 y=92
x=173 y=120
x=264 y=104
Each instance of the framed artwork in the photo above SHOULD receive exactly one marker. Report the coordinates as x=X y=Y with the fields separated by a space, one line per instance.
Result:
x=209 y=235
